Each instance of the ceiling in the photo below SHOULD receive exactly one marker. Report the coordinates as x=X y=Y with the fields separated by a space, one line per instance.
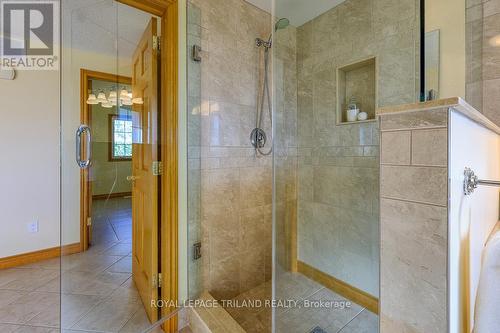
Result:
x=297 y=11
x=104 y=27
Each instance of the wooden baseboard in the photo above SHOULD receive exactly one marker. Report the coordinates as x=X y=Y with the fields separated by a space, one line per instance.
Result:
x=69 y=249
x=111 y=196
x=32 y=257
x=340 y=287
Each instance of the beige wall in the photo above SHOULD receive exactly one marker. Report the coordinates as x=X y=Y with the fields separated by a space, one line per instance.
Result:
x=234 y=221
x=30 y=163
x=106 y=176
x=449 y=17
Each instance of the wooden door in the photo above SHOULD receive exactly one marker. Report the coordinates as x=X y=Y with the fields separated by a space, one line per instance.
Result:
x=145 y=203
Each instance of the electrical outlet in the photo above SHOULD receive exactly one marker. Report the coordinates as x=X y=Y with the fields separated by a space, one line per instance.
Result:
x=33 y=227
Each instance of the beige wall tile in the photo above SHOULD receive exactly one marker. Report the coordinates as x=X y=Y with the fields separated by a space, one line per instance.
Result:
x=491 y=53
x=224 y=88
x=395 y=148
x=474 y=95
x=410 y=120
x=491 y=7
x=491 y=100
x=430 y=147
x=413 y=277
x=225 y=277
x=422 y=184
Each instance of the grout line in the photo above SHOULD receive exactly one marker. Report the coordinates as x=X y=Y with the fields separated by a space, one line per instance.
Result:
x=414 y=201
x=356 y=316
x=414 y=166
x=412 y=129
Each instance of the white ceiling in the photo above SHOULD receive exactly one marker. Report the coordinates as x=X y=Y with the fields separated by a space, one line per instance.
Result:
x=104 y=27
x=297 y=11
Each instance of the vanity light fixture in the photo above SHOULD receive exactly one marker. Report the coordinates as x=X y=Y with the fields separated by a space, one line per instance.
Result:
x=125 y=98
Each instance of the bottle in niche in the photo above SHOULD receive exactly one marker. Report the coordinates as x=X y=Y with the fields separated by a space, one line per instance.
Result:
x=352 y=110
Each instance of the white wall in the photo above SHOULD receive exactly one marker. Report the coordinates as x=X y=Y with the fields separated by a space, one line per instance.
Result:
x=29 y=172
x=478 y=148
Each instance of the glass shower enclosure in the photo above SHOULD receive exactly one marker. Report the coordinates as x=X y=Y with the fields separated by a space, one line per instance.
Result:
x=289 y=242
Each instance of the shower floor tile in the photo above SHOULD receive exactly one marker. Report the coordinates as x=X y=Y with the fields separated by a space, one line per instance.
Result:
x=302 y=318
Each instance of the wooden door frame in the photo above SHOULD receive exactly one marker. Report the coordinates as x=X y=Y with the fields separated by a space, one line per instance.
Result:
x=168 y=11
x=86 y=119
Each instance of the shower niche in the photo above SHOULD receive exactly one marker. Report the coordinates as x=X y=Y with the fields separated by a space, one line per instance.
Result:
x=357 y=90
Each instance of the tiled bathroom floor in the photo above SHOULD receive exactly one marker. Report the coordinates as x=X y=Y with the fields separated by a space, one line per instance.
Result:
x=354 y=319
x=98 y=292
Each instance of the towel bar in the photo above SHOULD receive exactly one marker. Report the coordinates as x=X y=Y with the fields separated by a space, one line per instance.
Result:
x=471 y=182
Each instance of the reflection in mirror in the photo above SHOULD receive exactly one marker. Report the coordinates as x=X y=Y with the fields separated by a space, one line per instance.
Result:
x=432 y=54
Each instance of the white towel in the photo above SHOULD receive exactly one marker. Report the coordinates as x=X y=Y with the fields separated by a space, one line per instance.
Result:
x=487 y=308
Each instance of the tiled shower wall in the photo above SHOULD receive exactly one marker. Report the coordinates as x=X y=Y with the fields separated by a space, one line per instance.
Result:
x=230 y=189
x=338 y=172
x=483 y=57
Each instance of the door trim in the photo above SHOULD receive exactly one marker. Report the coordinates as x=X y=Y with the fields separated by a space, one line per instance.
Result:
x=170 y=155
x=86 y=119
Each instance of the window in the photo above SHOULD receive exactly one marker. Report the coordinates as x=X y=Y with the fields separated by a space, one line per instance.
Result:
x=121 y=138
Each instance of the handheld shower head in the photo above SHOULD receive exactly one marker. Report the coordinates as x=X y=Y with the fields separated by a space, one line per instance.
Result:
x=281 y=24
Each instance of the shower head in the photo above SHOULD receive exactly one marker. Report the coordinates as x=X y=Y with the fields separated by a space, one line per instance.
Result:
x=281 y=24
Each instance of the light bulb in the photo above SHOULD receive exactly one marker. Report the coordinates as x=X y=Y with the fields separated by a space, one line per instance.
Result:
x=112 y=95
x=92 y=100
x=123 y=94
x=101 y=98
x=137 y=100
x=127 y=102
x=107 y=105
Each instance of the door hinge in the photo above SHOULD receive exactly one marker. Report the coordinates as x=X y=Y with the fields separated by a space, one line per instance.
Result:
x=157 y=168
x=89 y=221
x=156 y=43
x=197 y=251
x=157 y=281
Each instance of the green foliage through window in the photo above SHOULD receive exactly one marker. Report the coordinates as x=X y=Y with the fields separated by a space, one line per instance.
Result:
x=121 y=138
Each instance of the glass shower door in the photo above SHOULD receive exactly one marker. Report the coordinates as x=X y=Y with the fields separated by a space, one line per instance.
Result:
x=111 y=268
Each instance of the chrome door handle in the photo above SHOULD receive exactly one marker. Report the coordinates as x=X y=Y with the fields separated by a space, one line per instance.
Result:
x=85 y=163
